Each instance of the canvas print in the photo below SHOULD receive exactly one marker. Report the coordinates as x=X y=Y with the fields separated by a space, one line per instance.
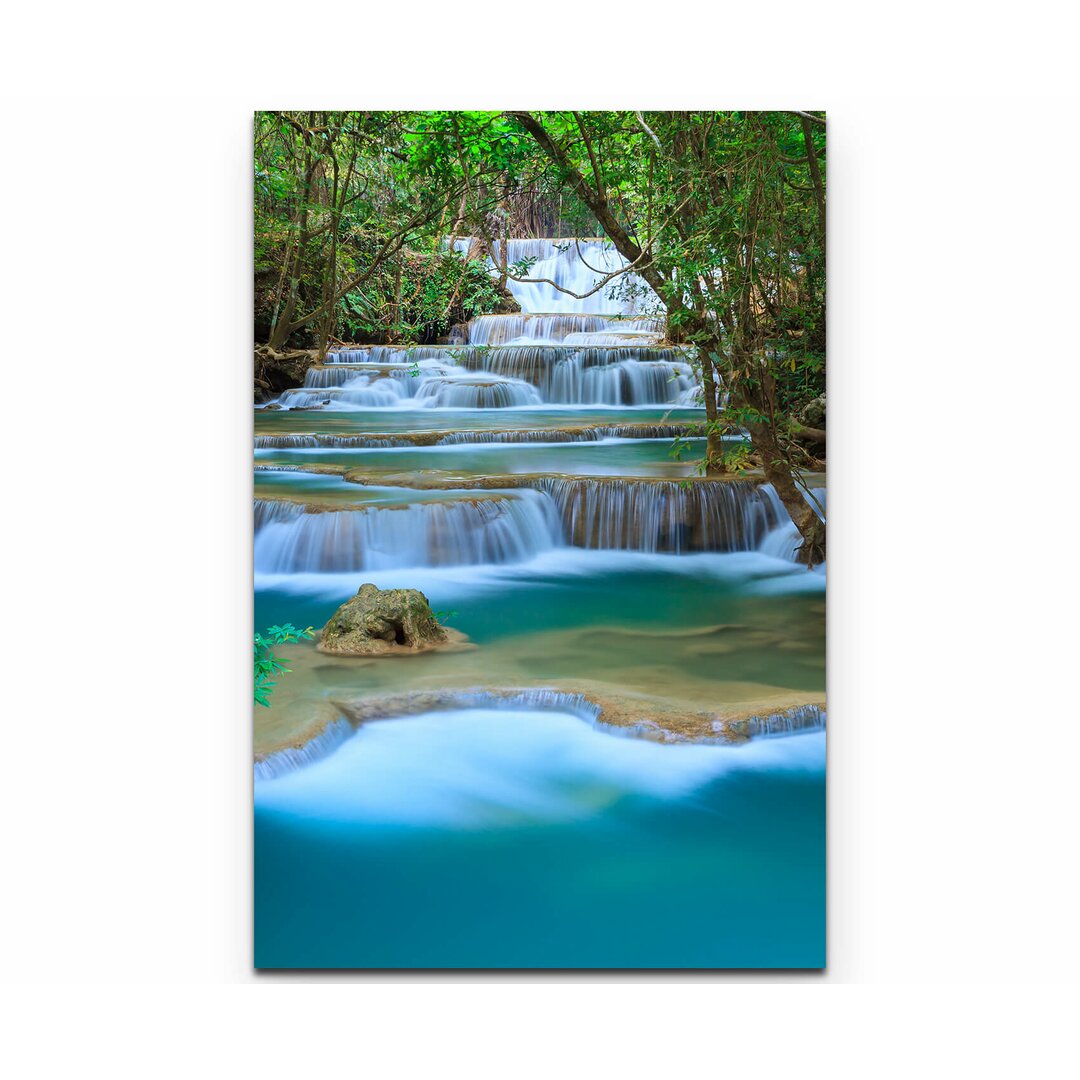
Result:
x=539 y=539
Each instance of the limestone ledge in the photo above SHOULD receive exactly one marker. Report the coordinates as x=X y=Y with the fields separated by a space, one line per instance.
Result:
x=644 y=716
x=438 y=480
x=572 y=433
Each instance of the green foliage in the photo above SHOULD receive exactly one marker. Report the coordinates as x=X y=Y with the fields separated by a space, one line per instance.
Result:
x=267 y=665
x=734 y=456
x=418 y=300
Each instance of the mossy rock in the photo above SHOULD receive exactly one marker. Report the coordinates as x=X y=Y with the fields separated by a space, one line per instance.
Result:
x=382 y=621
x=814 y=413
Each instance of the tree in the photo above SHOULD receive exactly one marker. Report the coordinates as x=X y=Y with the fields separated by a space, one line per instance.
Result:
x=722 y=214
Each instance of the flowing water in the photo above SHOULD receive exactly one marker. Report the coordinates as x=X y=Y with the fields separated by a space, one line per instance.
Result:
x=527 y=479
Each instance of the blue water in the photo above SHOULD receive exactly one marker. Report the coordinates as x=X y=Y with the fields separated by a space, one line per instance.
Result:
x=512 y=839
x=572 y=587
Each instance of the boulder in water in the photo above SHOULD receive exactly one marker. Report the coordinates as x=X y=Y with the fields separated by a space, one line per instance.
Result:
x=382 y=621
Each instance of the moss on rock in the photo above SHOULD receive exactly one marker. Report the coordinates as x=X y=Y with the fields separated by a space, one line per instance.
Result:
x=382 y=621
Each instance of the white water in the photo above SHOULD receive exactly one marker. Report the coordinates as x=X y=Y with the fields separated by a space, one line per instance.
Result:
x=468 y=390
x=664 y=516
x=566 y=329
x=505 y=376
x=609 y=356
x=546 y=355
x=486 y=528
x=577 y=266
x=486 y=767
x=360 y=392
x=475 y=530
x=292 y=758
x=784 y=539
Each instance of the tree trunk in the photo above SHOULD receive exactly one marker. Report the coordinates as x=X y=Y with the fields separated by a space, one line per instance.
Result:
x=714 y=446
x=283 y=328
x=778 y=473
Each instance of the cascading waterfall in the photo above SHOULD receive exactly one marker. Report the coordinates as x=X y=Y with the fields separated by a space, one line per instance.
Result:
x=606 y=338
x=559 y=351
x=465 y=390
x=784 y=540
x=291 y=758
x=506 y=376
x=793 y=721
x=341 y=375
x=589 y=375
x=529 y=329
x=664 y=516
x=614 y=602
x=661 y=517
x=337 y=442
x=361 y=391
x=628 y=382
x=575 y=265
x=493 y=528
x=601 y=350
x=387 y=354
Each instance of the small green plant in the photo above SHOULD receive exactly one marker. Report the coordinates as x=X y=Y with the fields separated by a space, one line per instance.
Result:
x=267 y=664
x=737 y=457
x=444 y=616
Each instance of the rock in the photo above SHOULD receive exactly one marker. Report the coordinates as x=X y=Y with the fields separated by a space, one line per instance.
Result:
x=813 y=415
x=271 y=408
x=275 y=372
x=382 y=621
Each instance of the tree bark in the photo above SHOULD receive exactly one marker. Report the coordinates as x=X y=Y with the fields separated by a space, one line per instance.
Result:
x=763 y=434
x=778 y=473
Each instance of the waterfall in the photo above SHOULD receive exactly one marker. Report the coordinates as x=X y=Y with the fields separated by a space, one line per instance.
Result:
x=604 y=338
x=322 y=378
x=363 y=390
x=541 y=435
x=793 y=721
x=482 y=391
x=575 y=265
x=624 y=515
x=589 y=375
x=532 y=329
x=285 y=761
x=601 y=350
x=489 y=528
x=663 y=516
x=628 y=382
x=784 y=539
x=387 y=354
x=347 y=375
x=337 y=442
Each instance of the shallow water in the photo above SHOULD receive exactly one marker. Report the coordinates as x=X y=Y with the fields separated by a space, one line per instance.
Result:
x=343 y=423
x=503 y=839
x=610 y=457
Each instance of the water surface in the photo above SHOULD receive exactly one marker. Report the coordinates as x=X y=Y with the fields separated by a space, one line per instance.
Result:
x=504 y=839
